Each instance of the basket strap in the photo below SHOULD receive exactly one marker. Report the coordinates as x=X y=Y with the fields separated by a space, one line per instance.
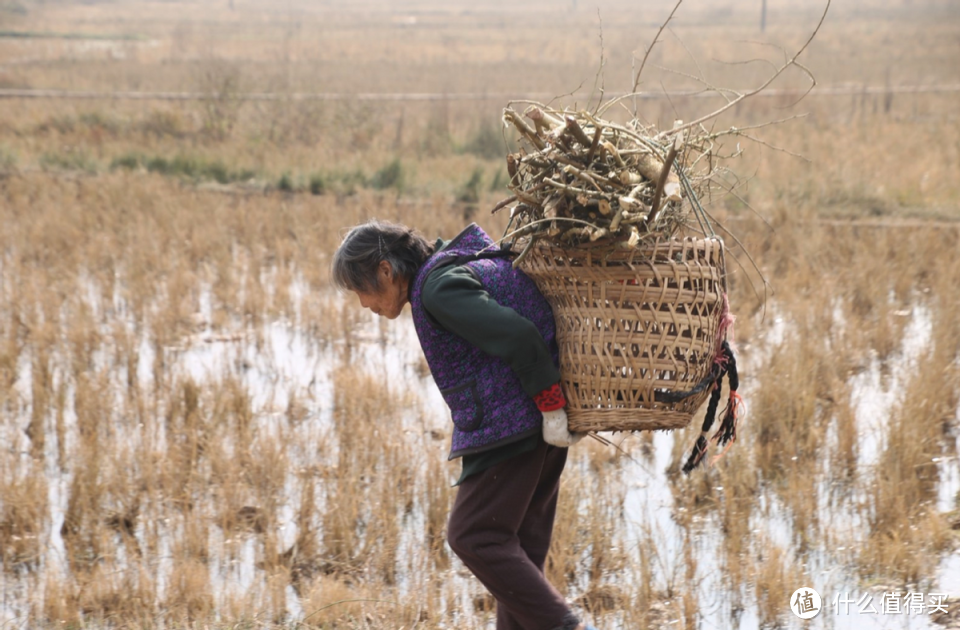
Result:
x=675 y=397
x=503 y=252
x=456 y=261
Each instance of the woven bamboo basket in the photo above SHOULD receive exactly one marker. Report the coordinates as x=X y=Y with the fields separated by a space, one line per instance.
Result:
x=635 y=327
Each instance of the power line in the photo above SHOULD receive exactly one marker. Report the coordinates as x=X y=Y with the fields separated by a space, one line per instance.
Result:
x=837 y=90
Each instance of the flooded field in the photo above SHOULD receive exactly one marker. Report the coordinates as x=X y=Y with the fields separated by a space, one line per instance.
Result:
x=252 y=445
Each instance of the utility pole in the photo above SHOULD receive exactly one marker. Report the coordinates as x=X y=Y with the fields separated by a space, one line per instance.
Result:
x=763 y=16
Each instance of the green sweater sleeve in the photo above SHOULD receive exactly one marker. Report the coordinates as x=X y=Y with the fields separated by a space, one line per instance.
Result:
x=455 y=298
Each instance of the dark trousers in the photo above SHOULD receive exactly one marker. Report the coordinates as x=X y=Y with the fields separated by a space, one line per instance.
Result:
x=500 y=527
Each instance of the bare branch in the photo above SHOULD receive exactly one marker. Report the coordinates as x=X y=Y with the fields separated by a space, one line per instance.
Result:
x=747 y=62
x=718 y=134
x=731 y=190
x=753 y=263
x=636 y=80
x=687 y=50
x=774 y=147
x=792 y=61
x=603 y=62
x=813 y=84
x=708 y=87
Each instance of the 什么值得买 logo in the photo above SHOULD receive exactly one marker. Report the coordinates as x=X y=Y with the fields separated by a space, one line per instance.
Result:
x=805 y=603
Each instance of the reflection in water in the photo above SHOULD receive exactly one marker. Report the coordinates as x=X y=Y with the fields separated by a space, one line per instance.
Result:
x=656 y=510
x=713 y=550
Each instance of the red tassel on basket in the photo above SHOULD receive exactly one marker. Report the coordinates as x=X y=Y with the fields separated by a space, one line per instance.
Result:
x=727 y=319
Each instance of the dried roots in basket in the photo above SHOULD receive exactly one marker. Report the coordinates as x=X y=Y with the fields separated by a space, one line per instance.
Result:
x=578 y=178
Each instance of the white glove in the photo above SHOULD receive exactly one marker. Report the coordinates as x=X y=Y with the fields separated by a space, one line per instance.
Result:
x=555 y=430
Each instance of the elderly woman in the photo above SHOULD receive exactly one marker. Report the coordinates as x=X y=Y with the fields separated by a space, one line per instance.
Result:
x=488 y=337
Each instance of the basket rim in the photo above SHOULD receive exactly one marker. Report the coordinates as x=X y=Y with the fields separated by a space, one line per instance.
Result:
x=611 y=243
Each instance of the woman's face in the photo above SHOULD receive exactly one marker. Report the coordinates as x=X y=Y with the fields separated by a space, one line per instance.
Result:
x=392 y=296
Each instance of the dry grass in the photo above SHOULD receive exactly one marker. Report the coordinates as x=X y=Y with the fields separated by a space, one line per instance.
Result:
x=169 y=464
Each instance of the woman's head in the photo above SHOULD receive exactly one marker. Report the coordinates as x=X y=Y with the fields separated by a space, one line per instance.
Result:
x=377 y=260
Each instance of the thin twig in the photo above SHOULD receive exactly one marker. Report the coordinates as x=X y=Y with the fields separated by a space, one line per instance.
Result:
x=813 y=83
x=773 y=146
x=346 y=601
x=607 y=442
x=708 y=87
x=636 y=80
x=753 y=262
x=692 y=57
x=763 y=86
x=732 y=191
x=600 y=74
x=718 y=134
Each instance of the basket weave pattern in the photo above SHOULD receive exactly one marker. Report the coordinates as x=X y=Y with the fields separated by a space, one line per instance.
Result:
x=631 y=323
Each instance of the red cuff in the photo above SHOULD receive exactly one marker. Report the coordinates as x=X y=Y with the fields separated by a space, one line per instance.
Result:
x=550 y=399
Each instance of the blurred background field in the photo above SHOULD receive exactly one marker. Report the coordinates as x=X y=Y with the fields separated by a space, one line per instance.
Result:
x=198 y=431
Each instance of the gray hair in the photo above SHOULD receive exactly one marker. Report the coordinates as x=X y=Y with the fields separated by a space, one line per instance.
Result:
x=356 y=261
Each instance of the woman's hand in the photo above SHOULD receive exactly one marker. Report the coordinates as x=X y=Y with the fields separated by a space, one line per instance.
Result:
x=555 y=430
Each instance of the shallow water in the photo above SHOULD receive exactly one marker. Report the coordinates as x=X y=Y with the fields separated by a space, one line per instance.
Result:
x=289 y=360
x=649 y=501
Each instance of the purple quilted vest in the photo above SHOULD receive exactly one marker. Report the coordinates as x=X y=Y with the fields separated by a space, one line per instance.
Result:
x=487 y=402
